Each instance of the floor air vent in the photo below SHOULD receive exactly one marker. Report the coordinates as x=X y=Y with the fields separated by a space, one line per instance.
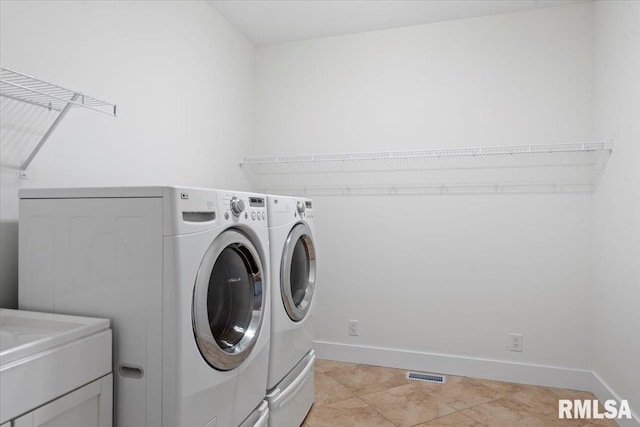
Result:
x=421 y=376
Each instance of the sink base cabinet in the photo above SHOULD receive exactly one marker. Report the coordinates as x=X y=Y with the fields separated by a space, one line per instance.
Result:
x=88 y=406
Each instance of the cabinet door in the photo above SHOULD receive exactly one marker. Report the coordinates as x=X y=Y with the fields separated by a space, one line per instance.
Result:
x=88 y=406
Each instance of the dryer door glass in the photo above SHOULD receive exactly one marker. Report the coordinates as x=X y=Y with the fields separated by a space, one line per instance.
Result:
x=298 y=272
x=228 y=301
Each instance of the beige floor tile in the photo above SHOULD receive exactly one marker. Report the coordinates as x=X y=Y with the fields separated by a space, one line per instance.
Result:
x=460 y=392
x=351 y=412
x=501 y=387
x=599 y=423
x=457 y=419
x=325 y=366
x=407 y=405
x=545 y=400
x=365 y=379
x=329 y=390
x=508 y=412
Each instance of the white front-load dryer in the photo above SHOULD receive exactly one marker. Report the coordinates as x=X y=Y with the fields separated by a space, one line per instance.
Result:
x=183 y=275
x=293 y=278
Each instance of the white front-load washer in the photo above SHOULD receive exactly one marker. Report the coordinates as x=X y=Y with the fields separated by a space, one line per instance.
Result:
x=293 y=277
x=183 y=275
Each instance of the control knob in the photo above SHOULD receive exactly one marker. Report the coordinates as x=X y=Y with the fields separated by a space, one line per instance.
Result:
x=300 y=207
x=237 y=206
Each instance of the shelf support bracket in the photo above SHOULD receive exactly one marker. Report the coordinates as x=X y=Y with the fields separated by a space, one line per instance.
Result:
x=45 y=137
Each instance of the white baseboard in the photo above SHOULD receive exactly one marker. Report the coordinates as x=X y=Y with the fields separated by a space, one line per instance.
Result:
x=550 y=376
x=603 y=392
x=522 y=373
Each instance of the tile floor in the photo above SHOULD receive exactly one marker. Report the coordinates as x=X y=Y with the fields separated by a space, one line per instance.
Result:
x=352 y=395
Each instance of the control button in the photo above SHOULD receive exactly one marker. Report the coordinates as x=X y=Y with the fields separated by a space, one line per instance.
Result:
x=237 y=206
x=226 y=215
x=246 y=215
x=264 y=215
x=300 y=207
x=253 y=216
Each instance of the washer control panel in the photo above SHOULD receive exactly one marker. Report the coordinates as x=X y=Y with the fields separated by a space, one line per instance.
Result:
x=244 y=208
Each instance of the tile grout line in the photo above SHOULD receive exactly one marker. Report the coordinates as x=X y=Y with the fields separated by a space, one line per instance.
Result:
x=472 y=418
x=447 y=415
x=419 y=422
x=381 y=414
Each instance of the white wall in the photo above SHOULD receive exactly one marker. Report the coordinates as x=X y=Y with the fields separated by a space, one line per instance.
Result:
x=616 y=332
x=183 y=82
x=445 y=274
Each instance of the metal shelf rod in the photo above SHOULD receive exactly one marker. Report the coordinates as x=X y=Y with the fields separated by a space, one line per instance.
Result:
x=37 y=104
x=417 y=154
x=46 y=136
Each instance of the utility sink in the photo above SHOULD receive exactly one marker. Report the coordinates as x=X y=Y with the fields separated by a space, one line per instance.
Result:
x=43 y=356
x=23 y=333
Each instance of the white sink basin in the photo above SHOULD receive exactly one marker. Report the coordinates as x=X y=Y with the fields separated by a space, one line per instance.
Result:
x=44 y=355
x=28 y=332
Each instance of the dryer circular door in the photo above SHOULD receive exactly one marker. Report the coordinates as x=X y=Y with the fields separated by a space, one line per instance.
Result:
x=298 y=272
x=228 y=301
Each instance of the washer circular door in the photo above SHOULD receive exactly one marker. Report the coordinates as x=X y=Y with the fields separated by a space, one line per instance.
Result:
x=298 y=272
x=228 y=301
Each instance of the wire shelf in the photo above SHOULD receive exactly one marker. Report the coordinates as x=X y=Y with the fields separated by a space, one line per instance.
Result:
x=31 y=109
x=515 y=169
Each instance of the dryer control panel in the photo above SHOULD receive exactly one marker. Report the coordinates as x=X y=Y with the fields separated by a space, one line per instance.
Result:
x=304 y=208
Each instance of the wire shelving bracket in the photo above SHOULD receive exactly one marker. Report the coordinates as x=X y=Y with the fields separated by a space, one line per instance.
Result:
x=32 y=109
x=556 y=168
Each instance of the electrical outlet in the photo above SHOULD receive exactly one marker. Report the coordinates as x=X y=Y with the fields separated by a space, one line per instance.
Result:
x=515 y=342
x=353 y=328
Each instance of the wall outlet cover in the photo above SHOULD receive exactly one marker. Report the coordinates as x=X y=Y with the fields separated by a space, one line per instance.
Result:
x=515 y=342
x=353 y=328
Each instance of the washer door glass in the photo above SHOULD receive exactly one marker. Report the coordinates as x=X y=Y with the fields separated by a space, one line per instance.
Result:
x=228 y=301
x=298 y=272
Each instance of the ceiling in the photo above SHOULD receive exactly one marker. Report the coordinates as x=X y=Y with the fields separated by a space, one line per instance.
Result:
x=277 y=21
